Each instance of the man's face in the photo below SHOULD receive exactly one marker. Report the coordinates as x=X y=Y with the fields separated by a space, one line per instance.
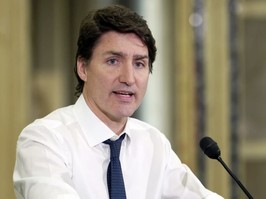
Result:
x=116 y=77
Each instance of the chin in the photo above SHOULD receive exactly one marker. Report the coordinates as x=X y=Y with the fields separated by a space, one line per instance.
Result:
x=125 y=111
x=126 y=114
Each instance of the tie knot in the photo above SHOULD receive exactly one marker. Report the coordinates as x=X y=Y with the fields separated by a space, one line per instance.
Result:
x=115 y=146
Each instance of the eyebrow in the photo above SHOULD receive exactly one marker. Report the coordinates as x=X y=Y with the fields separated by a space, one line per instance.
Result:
x=138 y=57
x=121 y=54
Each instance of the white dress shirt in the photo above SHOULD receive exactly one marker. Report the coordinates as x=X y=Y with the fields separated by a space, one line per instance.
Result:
x=61 y=156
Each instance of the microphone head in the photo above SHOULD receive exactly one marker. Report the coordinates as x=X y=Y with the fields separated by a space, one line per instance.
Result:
x=210 y=148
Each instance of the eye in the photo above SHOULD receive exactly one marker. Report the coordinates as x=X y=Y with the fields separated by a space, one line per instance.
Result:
x=140 y=64
x=112 y=61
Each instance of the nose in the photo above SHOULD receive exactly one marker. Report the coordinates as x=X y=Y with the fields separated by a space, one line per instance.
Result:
x=127 y=74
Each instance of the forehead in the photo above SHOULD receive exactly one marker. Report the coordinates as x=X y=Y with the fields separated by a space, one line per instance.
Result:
x=125 y=42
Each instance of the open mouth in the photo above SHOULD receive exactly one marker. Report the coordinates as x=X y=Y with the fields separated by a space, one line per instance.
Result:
x=124 y=93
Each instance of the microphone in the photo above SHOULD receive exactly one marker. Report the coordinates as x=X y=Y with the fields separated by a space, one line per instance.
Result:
x=211 y=149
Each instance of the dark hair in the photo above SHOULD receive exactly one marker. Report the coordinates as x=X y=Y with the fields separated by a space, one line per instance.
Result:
x=113 y=18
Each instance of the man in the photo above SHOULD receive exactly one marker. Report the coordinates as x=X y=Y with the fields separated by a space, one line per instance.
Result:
x=67 y=153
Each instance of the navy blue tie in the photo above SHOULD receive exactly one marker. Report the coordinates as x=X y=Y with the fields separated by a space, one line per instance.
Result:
x=115 y=179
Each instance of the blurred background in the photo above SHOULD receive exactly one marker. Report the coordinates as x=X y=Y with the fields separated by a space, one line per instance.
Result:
x=209 y=79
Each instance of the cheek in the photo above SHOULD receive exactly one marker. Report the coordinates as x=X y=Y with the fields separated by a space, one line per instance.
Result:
x=96 y=83
x=102 y=83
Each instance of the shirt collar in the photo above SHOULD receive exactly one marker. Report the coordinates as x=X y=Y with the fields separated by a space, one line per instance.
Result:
x=94 y=129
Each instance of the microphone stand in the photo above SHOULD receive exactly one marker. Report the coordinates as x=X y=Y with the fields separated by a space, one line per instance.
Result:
x=234 y=177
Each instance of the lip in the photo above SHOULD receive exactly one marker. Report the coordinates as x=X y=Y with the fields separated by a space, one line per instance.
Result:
x=123 y=95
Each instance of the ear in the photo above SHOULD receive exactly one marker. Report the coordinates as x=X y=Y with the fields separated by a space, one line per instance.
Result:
x=82 y=68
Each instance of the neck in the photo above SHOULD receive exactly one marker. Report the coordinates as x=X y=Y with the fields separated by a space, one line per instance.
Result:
x=117 y=125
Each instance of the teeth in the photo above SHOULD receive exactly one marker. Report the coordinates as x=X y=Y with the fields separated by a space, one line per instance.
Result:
x=123 y=93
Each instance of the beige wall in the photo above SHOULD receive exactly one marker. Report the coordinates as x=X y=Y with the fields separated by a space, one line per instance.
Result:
x=216 y=85
x=14 y=83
